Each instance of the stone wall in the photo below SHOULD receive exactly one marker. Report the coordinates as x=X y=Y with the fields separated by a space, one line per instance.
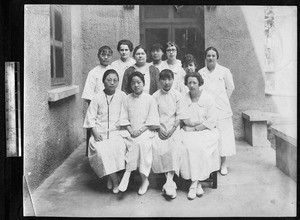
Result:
x=51 y=130
x=238 y=32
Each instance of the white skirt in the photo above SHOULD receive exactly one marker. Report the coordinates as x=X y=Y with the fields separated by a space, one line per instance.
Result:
x=226 y=140
x=200 y=154
x=166 y=153
x=107 y=156
x=139 y=152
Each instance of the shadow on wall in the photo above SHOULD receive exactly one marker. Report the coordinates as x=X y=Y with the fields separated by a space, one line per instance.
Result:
x=226 y=29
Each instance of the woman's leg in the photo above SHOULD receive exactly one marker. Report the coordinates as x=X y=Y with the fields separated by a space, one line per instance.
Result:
x=124 y=182
x=115 y=182
x=223 y=166
x=193 y=190
x=109 y=183
x=170 y=186
x=145 y=184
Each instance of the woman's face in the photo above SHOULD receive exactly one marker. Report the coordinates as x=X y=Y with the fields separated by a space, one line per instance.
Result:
x=190 y=67
x=211 y=58
x=124 y=51
x=171 y=52
x=104 y=57
x=193 y=84
x=140 y=57
x=137 y=85
x=111 y=82
x=157 y=54
x=166 y=83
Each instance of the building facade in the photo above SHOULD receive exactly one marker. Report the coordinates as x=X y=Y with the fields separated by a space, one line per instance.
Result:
x=61 y=44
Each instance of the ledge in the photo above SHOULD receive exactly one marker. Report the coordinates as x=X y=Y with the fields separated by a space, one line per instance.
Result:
x=62 y=92
x=255 y=115
x=286 y=132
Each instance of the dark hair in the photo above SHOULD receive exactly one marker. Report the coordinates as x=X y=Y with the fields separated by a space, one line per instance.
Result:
x=125 y=42
x=188 y=58
x=193 y=74
x=170 y=44
x=109 y=71
x=139 y=47
x=104 y=48
x=138 y=74
x=156 y=46
x=214 y=49
x=166 y=74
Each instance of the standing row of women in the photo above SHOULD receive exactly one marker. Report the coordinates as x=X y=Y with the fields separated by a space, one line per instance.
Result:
x=172 y=132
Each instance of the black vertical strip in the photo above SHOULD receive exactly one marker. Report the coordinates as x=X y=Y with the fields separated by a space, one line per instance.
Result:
x=13 y=13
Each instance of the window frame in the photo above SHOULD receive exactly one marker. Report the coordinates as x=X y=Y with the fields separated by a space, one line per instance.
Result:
x=56 y=44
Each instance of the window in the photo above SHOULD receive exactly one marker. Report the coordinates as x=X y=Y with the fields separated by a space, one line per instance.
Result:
x=56 y=43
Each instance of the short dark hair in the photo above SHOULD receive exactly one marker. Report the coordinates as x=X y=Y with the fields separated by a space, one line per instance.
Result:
x=139 y=47
x=166 y=74
x=188 y=58
x=138 y=74
x=170 y=44
x=193 y=74
x=104 y=48
x=156 y=46
x=125 y=42
x=214 y=49
x=109 y=71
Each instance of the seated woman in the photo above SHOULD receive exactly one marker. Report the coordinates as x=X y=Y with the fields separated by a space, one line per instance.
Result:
x=151 y=73
x=166 y=154
x=106 y=145
x=200 y=155
x=140 y=116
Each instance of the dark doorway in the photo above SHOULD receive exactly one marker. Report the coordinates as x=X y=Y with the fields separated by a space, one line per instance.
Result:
x=182 y=24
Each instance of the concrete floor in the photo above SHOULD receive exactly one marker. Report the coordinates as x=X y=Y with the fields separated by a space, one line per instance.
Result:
x=253 y=187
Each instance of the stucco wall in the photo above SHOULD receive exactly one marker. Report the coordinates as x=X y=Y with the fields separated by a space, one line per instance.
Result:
x=51 y=130
x=106 y=25
x=238 y=34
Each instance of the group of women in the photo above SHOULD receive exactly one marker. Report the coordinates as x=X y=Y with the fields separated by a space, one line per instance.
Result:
x=161 y=116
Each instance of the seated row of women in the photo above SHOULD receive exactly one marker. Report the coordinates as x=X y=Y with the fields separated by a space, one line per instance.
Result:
x=168 y=132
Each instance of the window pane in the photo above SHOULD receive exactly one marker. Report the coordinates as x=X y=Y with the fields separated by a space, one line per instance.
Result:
x=59 y=62
x=52 y=64
x=186 y=39
x=156 y=11
x=58 y=25
x=186 y=12
x=155 y=35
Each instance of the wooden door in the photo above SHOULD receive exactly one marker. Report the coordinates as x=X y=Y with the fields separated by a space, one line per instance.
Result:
x=183 y=25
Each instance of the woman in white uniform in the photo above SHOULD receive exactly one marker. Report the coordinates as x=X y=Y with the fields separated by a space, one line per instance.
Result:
x=219 y=83
x=166 y=150
x=125 y=47
x=140 y=117
x=200 y=155
x=106 y=144
x=171 y=50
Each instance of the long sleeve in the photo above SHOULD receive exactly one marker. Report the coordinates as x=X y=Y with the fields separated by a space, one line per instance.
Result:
x=91 y=114
x=124 y=115
x=89 y=88
x=229 y=84
x=153 y=116
x=181 y=108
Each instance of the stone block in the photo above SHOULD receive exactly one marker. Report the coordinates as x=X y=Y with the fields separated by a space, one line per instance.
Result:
x=255 y=127
x=286 y=149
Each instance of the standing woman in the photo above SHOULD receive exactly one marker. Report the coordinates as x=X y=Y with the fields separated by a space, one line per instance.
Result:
x=106 y=144
x=151 y=73
x=200 y=155
x=166 y=150
x=171 y=49
x=94 y=82
x=219 y=83
x=125 y=47
x=140 y=116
